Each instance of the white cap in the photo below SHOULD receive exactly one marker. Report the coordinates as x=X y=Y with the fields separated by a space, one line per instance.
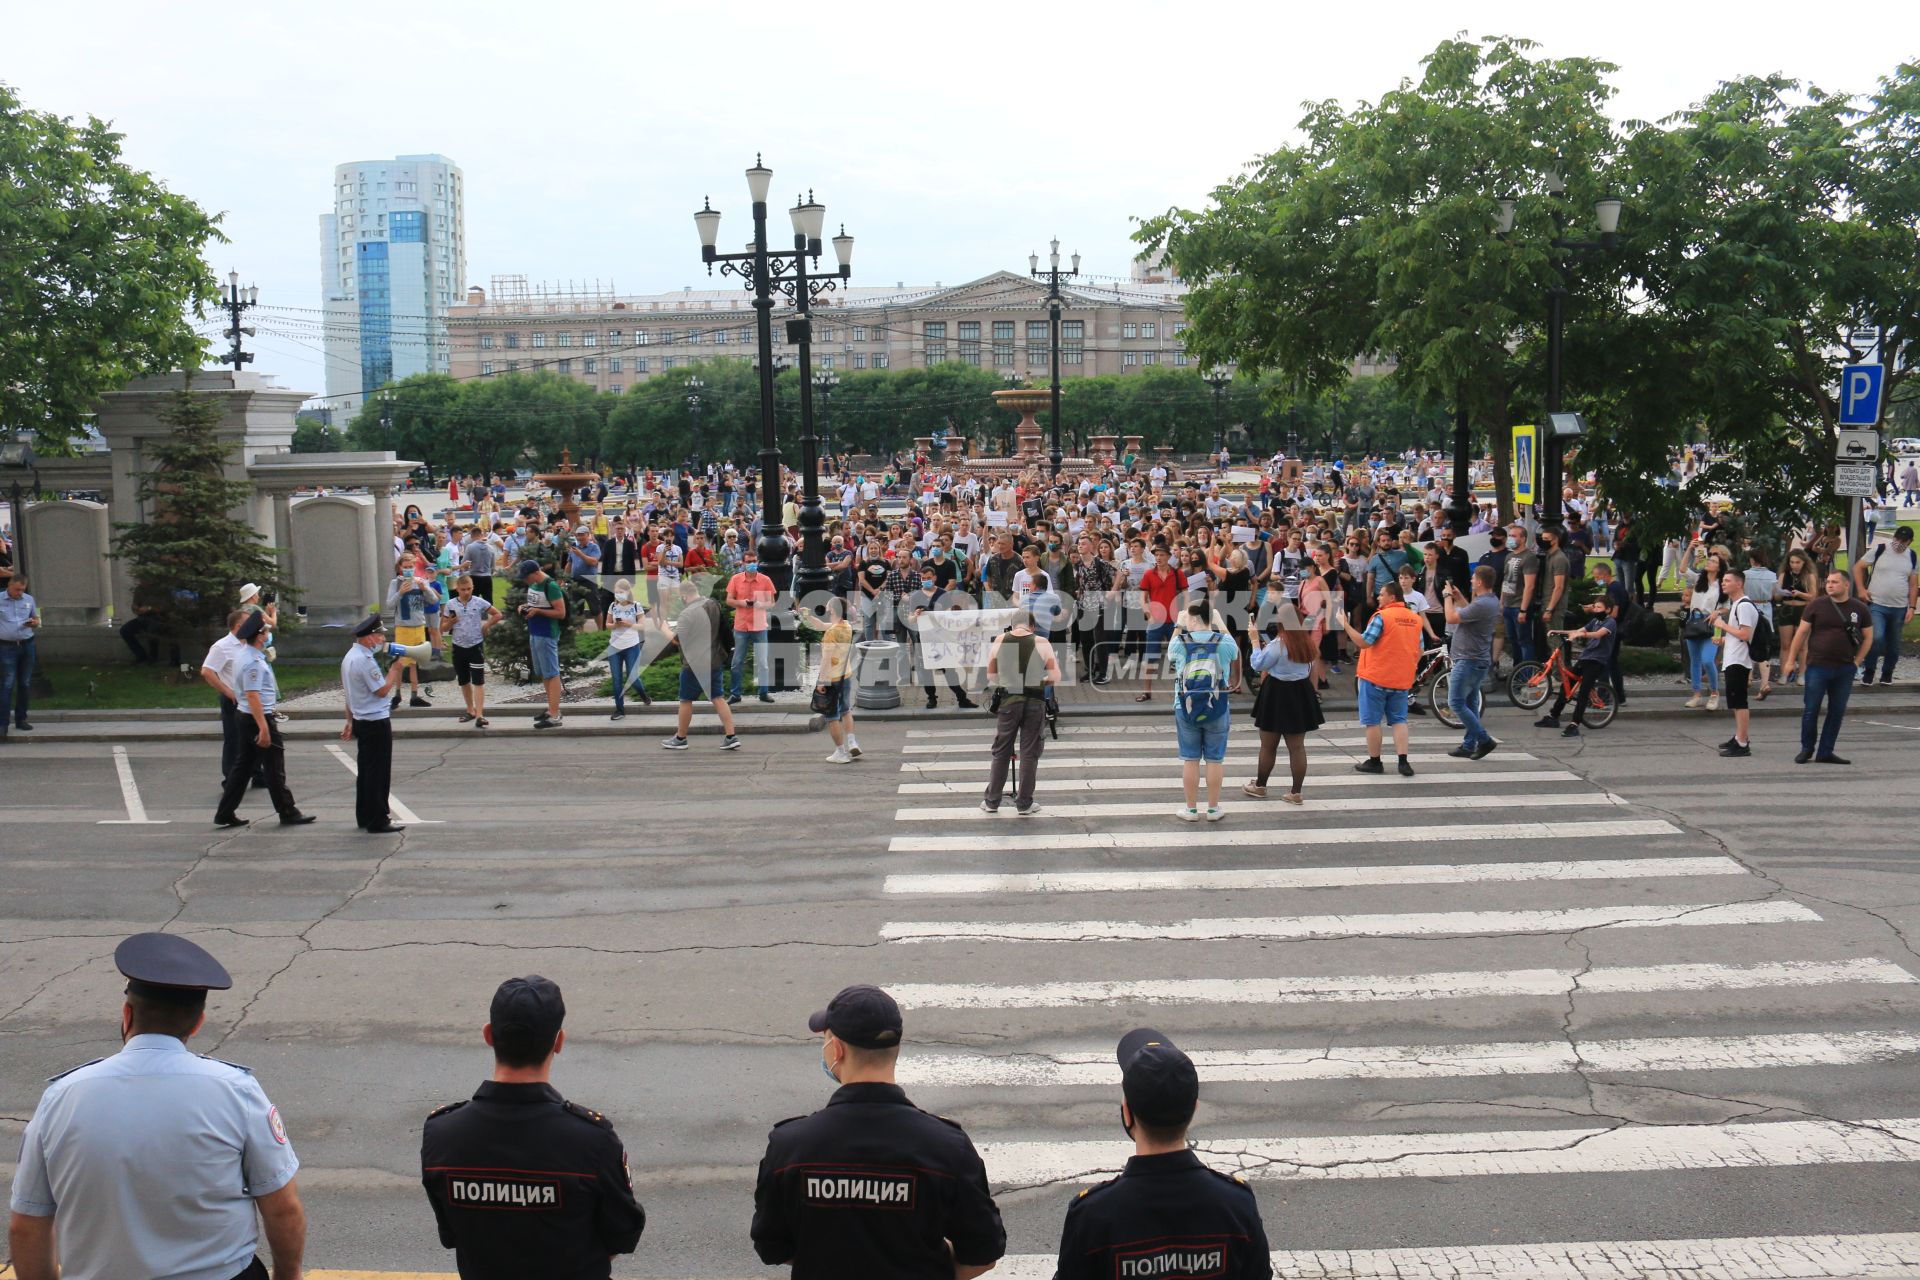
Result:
x=249 y=591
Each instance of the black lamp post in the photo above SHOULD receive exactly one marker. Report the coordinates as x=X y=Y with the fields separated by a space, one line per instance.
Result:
x=1293 y=431
x=385 y=397
x=1460 y=511
x=1053 y=275
x=234 y=301
x=823 y=384
x=1219 y=379
x=766 y=272
x=694 y=387
x=1606 y=213
x=18 y=460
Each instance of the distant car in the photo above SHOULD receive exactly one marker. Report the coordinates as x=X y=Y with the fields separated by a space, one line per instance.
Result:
x=1906 y=446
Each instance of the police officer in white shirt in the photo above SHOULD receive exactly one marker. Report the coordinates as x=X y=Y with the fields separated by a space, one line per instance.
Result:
x=153 y=1161
x=369 y=724
x=260 y=744
x=219 y=669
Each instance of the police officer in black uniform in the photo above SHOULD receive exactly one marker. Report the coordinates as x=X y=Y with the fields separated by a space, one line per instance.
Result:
x=522 y=1182
x=870 y=1185
x=1167 y=1215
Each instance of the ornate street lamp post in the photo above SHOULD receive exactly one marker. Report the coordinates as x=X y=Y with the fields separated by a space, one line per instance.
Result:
x=1053 y=275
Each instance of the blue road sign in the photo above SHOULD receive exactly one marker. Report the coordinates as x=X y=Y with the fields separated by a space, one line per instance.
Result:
x=1860 y=387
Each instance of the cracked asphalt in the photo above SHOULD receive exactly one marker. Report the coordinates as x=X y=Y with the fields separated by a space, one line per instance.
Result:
x=695 y=906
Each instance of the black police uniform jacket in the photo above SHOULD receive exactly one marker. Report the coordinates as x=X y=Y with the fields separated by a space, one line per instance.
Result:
x=870 y=1185
x=525 y=1183
x=1168 y=1217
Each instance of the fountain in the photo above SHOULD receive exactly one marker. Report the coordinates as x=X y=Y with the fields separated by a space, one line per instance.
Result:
x=566 y=480
x=1029 y=436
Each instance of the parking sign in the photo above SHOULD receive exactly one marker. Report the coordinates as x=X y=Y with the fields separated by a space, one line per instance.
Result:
x=1860 y=386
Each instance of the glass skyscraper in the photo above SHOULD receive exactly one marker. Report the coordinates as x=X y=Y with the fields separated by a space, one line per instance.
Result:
x=392 y=259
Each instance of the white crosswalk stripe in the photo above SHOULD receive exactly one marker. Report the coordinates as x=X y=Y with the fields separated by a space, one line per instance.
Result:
x=1409 y=924
x=1426 y=849
x=1427 y=1061
x=1366 y=988
x=1212 y=836
x=1153 y=881
x=1770 y=1144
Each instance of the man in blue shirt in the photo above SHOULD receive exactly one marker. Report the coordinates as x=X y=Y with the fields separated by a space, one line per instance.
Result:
x=370 y=725
x=260 y=745
x=19 y=620
x=152 y=1162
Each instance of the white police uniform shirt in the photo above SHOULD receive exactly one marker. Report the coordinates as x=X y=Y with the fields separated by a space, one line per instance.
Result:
x=223 y=659
x=255 y=675
x=150 y=1161
x=362 y=679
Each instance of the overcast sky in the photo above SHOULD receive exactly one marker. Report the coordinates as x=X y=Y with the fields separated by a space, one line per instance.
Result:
x=952 y=139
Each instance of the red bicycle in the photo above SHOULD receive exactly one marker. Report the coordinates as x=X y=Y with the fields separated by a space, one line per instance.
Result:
x=1531 y=682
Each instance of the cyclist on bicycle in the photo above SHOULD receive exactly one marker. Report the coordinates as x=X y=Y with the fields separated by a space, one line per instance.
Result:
x=1599 y=637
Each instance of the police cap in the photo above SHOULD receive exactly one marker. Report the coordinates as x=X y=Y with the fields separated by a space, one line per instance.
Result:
x=372 y=624
x=864 y=1016
x=1158 y=1080
x=250 y=629
x=166 y=966
x=530 y=1006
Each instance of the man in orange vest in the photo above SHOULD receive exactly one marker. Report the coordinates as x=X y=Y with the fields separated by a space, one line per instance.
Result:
x=1389 y=658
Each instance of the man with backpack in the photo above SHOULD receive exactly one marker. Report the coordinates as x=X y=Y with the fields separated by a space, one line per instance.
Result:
x=1203 y=662
x=1734 y=625
x=1887 y=580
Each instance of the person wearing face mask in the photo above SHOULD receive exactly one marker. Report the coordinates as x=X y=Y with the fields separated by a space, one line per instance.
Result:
x=931 y=595
x=750 y=595
x=624 y=617
x=153 y=1161
x=870 y=1185
x=1166 y=1214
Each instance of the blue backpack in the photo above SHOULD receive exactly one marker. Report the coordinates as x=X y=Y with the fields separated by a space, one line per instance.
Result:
x=1202 y=687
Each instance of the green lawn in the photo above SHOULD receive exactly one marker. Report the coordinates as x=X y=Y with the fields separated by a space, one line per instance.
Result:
x=122 y=686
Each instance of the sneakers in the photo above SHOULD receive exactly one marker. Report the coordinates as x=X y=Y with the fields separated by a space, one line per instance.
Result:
x=853 y=747
x=1255 y=790
x=1547 y=722
x=1189 y=814
x=1215 y=813
x=393 y=704
x=839 y=756
x=730 y=743
x=618 y=715
x=1029 y=811
x=1462 y=752
x=989 y=808
x=1370 y=765
x=765 y=696
x=1736 y=749
x=1406 y=769
x=1485 y=749
x=675 y=743
x=1571 y=731
x=1713 y=702
x=551 y=722
x=1831 y=760
x=417 y=701
x=733 y=699
x=1695 y=702
x=542 y=716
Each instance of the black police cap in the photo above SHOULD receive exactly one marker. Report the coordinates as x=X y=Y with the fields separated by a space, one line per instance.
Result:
x=529 y=1005
x=1158 y=1080
x=166 y=966
x=372 y=624
x=863 y=1016
x=252 y=627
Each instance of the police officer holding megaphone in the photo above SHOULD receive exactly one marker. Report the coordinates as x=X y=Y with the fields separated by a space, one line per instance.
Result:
x=369 y=719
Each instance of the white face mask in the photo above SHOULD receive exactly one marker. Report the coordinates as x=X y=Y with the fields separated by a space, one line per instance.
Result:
x=623 y=595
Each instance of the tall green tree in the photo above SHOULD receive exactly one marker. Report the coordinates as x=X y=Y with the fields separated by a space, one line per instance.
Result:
x=99 y=267
x=190 y=558
x=1374 y=236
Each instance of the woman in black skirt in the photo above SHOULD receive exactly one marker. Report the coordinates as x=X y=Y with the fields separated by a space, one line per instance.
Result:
x=1287 y=706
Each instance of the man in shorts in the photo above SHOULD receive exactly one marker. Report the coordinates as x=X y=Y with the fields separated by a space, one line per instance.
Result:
x=544 y=607
x=467 y=619
x=703 y=639
x=1389 y=659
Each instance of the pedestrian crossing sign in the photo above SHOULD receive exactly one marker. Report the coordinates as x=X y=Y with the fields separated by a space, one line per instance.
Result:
x=1524 y=464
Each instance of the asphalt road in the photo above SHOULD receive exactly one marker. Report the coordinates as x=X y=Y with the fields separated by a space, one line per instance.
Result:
x=1432 y=1025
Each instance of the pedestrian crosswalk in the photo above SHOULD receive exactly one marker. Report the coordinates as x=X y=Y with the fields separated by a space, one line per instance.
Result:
x=1495 y=941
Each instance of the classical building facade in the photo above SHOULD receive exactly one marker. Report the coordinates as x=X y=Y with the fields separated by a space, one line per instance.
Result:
x=393 y=254
x=999 y=322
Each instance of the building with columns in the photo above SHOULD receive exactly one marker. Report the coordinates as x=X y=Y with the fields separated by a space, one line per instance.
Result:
x=615 y=341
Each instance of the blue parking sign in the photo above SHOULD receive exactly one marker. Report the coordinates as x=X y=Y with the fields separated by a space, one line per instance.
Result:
x=1860 y=387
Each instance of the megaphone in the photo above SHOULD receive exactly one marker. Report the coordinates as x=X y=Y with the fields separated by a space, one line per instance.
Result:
x=418 y=652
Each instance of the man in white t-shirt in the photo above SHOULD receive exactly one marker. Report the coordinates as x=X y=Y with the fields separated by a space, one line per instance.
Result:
x=221 y=670
x=1734 y=622
x=1887 y=580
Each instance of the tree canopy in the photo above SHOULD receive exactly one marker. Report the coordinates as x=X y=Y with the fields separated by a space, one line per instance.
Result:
x=100 y=266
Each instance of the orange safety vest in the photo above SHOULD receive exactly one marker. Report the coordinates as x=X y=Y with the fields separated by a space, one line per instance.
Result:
x=1392 y=660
